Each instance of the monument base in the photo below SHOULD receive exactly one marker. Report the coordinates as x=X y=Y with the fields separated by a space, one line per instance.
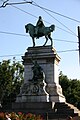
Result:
x=33 y=91
x=55 y=93
x=42 y=96
x=41 y=90
x=49 y=110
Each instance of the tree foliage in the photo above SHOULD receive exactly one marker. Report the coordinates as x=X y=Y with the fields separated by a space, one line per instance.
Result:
x=11 y=77
x=71 y=89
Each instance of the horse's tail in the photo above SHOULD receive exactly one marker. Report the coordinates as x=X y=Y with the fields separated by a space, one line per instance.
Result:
x=52 y=28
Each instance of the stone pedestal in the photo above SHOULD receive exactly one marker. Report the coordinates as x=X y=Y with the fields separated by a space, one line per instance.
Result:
x=50 y=91
x=43 y=96
x=33 y=92
x=49 y=110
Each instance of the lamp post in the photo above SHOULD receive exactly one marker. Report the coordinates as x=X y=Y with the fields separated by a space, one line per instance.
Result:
x=47 y=116
x=79 y=41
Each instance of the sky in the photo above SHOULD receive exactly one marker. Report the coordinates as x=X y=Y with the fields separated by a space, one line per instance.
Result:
x=64 y=14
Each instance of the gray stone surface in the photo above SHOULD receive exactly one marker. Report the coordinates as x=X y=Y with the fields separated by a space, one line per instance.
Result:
x=48 y=99
x=48 y=60
x=50 y=110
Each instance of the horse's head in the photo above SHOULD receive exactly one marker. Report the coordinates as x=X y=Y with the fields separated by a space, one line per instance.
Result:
x=29 y=27
x=52 y=28
x=26 y=27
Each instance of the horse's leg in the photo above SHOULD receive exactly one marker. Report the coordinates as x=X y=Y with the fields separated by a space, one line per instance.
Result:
x=33 y=41
x=49 y=36
x=46 y=40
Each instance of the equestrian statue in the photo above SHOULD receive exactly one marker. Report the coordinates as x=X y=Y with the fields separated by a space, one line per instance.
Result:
x=39 y=31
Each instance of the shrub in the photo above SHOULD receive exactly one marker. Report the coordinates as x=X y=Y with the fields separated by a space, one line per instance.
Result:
x=20 y=116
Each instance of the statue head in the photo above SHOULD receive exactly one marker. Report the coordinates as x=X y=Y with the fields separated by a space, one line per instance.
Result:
x=40 y=17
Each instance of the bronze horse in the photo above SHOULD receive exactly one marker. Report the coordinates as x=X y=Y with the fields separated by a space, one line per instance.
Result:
x=44 y=31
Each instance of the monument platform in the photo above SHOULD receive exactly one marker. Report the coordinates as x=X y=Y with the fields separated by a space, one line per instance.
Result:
x=49 y=110
x=42 y=95
x=48 y=60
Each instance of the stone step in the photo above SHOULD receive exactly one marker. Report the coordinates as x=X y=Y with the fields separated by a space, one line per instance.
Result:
x=46 y=109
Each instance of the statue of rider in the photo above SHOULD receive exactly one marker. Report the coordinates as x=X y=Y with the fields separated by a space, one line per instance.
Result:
x=39 y=24
x=37 y=72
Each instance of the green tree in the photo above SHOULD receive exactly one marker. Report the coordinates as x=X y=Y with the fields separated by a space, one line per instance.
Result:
x=74 y=96
x=11 y=77
x=71 y=89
